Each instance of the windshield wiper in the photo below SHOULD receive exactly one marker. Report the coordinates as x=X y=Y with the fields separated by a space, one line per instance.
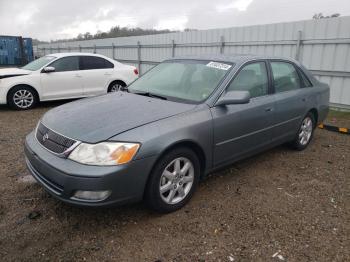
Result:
x=149 y=94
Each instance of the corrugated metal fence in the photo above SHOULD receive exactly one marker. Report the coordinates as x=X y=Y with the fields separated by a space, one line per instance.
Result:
x=321 y=45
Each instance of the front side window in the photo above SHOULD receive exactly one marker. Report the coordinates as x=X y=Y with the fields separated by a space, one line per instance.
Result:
x=94 y=62
x=38 y=63
x=252 y=78
x=190 y=80
x=64 y=64
x=285 y=77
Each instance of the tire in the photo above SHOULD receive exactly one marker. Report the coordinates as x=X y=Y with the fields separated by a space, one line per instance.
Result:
x=178 y=187
x=305 y=132
x=22 y=98
x=116 y=86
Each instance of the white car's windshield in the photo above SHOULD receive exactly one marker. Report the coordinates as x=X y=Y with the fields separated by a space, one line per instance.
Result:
x=189 y=80
x=38 y=63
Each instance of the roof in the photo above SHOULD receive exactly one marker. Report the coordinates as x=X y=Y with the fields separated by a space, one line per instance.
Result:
x=74 y=54
x=234 y=58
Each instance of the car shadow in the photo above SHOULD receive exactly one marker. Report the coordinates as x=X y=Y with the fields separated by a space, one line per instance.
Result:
x=41 y=105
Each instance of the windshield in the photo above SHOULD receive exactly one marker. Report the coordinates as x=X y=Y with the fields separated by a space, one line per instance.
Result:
x=39 y=63
x=187 y=80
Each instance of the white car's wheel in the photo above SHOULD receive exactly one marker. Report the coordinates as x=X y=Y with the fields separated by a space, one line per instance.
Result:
x=116 y=86
x=22 y=98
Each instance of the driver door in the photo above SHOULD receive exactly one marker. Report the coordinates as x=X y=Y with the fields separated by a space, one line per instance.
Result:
x=64 y=82
x=242 y=129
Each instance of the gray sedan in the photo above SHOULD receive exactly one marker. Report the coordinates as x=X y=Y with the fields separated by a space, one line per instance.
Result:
x=180 y=121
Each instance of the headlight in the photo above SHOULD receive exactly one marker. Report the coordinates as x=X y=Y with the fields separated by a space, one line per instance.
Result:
x=105 y=153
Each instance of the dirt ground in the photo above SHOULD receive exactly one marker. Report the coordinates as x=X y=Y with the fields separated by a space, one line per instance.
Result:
x=281 y=205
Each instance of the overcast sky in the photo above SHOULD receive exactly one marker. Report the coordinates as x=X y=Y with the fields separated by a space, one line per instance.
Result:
x=57 y=19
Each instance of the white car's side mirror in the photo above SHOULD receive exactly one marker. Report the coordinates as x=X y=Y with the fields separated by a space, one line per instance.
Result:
x=48 y=69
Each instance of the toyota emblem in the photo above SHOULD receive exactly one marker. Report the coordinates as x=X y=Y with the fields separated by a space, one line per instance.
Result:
x=45 y=137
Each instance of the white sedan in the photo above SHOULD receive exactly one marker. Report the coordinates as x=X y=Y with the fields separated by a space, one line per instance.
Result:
x=63 y=76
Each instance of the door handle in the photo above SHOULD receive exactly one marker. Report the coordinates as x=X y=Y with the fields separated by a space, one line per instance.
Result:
x=107 y=74
x=303 y=99
x=77 y=75
x=269 y=109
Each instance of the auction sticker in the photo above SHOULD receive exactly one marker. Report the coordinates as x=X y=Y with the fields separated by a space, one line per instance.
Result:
x=218 y=65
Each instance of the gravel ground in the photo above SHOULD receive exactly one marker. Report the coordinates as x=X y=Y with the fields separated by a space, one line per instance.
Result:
x=279 y=205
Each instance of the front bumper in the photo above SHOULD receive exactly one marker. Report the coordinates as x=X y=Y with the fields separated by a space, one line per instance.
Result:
x=63 y=177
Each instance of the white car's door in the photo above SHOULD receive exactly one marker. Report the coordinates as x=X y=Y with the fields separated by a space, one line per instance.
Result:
x=96 y=74
x=64 y=82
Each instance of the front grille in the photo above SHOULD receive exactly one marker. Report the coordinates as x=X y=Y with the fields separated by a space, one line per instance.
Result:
x=53 y=141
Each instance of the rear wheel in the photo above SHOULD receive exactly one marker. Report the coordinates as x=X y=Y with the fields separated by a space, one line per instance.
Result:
x=116 y=86
x=173 y=181
x=22 y=98
x=305 y=133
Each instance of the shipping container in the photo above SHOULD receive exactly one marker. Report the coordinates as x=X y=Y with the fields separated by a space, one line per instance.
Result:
x=28 y=49
x=15 y=50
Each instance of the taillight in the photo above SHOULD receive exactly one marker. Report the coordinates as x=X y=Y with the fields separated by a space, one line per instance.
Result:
x=136 y=71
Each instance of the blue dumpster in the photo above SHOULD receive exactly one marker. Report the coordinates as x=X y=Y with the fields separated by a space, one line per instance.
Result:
x=15 y=50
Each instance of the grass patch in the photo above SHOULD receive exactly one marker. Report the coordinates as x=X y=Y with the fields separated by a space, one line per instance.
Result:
x=339 y=114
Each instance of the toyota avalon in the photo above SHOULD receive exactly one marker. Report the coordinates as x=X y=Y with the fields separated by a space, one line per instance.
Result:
x=180 y=121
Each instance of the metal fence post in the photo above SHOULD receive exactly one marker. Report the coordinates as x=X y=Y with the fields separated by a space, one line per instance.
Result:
x=172 y=48
x=80 y=48
x=222 y=44
x=113 y=51
x=94 y=49
x=44 y=50
x=298 y=46
x=139 y=56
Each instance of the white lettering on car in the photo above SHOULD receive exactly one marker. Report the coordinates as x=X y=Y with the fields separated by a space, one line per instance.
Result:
x=218 y=65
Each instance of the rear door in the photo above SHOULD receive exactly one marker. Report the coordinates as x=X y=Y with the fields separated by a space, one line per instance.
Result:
x=96 y=74
x=290 y=99
x=245 y=128
x=64 y=82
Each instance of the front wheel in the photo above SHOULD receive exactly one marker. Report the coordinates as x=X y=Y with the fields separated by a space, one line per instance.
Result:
x=173 y=181
x=305 y=132
x=22 y=98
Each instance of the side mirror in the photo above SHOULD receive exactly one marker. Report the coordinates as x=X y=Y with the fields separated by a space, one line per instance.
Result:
x=234 y=97
x=48 y=69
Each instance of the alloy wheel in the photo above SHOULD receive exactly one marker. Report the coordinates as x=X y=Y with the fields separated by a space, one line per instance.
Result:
x=305 y=131
x=176 y=180
x=116 y=87
x=23 y=98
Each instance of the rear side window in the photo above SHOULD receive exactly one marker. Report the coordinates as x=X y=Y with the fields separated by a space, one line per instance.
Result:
x=285 y=77
x=305 y=79
x=94 y=62
x=69 y=63
x=252 y=78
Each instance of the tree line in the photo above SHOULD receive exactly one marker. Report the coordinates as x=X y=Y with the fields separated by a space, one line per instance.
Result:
x=116 y=31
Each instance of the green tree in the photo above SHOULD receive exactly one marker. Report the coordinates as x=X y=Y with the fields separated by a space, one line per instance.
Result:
x=321 y=16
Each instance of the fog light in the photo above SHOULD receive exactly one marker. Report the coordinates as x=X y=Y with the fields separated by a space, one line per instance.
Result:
x=91 y=195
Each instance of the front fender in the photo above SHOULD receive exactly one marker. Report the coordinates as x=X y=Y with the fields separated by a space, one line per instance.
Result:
x=7 y=84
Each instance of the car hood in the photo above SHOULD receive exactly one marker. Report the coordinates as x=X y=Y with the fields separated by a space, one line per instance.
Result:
x=96 y=119
x=10 y=72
